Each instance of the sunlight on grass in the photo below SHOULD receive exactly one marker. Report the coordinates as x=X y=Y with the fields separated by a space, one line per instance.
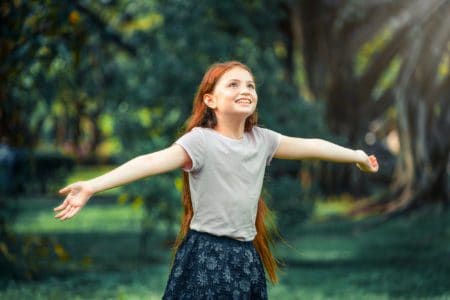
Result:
x=92 y=218
x=332 y=206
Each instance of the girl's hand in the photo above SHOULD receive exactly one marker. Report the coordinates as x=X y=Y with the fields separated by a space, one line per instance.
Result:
x=368 y=163
x=78 y=195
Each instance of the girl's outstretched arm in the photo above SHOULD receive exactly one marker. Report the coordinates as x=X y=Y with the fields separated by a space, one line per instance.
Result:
x=299 y=148
x=78 y=193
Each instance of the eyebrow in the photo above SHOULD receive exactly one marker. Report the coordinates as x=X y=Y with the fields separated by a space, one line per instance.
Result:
x=234 y=79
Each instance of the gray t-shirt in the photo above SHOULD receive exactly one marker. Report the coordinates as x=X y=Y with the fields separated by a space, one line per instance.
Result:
x=226 y=178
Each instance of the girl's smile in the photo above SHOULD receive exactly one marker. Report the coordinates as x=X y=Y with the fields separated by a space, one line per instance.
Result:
x=244 y=101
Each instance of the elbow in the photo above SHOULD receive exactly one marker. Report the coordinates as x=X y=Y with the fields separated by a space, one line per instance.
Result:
x=318 y=148
x=317 y=143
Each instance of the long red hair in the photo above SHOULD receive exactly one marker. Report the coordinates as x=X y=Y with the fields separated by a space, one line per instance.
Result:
x=203 y=116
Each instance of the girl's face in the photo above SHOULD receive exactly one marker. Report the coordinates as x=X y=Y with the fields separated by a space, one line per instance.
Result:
x=234 y=94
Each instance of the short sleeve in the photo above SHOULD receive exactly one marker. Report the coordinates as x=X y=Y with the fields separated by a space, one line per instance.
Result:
x=193 y=143
x=272 y=141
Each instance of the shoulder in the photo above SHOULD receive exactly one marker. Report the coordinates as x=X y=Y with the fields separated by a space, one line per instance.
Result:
x=195 y=135
x=196 y=131
x=203 y=131
x=264 y=132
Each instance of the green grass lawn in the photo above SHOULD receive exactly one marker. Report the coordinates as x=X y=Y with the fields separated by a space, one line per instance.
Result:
x=407 y=258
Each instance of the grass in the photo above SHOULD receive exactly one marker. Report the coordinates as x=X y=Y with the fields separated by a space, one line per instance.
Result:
x=404 y=259
x=100 y=217
x=407 y=258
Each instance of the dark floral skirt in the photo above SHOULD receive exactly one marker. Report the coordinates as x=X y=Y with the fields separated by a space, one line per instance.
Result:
x=212 y=267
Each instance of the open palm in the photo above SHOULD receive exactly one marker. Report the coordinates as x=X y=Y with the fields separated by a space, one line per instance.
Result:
x=77 y=195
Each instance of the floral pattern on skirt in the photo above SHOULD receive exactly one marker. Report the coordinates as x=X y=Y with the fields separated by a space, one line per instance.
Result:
x=212 y=267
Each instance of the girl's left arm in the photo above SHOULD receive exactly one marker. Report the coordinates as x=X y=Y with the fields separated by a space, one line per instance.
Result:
x=299 y=148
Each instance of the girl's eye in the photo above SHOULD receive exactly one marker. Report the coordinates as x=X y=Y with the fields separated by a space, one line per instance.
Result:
x=233 y=84
x=251 y=86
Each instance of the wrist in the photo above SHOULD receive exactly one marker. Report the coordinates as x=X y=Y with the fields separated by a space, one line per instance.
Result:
x=90 y=187
x=361 y=156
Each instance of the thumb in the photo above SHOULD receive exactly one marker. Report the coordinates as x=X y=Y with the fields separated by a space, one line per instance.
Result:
x=65 y=190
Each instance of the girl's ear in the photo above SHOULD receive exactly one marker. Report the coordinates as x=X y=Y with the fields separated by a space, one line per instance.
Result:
x=209 y=100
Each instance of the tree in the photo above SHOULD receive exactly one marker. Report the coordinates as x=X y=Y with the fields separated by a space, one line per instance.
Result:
x=54 y=69
x=423 y=114
x=365 y=58
x=50 y=56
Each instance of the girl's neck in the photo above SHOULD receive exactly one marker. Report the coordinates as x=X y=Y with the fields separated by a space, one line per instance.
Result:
x=230 y=128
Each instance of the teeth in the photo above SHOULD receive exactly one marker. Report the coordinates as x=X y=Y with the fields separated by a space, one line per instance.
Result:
x=244 y=101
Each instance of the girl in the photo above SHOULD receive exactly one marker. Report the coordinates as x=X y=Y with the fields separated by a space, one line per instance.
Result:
x=223 y=243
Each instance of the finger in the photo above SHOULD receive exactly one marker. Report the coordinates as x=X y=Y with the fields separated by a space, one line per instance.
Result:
x=64 y=190
x=68 y=214
x=62 y=206
x=73 y=212
x=375 y=166
x=60 y=215
x=63 y=212
x=374 y=162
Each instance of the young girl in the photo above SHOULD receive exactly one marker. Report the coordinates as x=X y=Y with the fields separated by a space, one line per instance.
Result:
x=223 y=243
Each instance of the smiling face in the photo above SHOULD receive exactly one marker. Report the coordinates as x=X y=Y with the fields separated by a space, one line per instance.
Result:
x=234 y=94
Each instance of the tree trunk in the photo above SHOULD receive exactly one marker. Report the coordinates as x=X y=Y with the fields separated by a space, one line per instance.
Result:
x=423 y=120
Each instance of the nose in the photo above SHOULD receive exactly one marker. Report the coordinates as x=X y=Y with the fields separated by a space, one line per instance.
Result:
x=245 y=90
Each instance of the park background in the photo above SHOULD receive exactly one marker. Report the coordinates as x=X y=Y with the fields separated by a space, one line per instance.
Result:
x=87 y=85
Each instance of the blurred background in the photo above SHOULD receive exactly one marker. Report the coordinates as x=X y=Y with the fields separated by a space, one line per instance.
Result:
x=87 y=85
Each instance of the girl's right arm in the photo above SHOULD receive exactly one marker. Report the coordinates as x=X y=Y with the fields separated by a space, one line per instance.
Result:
x=78 y=193
x=299 y=148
